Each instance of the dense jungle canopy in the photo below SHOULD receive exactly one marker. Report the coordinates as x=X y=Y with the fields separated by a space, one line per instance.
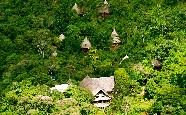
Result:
x=33 y=58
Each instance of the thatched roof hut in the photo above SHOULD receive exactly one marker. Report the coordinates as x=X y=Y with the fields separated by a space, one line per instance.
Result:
x=105 y=2
x=86 y=44
x=100 y=88
x=78 y=10
x=156 y=64
x=114 y=33
x=104 y=9
x=116 y=40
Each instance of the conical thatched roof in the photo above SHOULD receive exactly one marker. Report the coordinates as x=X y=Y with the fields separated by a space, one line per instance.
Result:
x=105 y=2
x=116 y=40
x=114 y=33
x=76 y=8
x=115 y=36
x=86 y=44
x=104 y=8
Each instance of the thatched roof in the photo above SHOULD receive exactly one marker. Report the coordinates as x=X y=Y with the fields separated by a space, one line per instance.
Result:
x=86 y=44
x=105 y=2
x=104 y=8
x=116 y=40
x=114 y=33
x=115 y=36
x=76 y=8
x=105 y=84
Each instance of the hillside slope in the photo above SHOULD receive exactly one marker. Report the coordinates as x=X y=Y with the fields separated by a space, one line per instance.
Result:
x=149 y=30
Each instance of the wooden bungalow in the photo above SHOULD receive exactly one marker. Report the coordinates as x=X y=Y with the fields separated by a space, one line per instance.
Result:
x=85 y=45
x=101 y=88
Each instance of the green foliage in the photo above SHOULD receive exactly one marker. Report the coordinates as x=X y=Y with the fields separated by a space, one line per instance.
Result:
x=148 y=30
x=23 y=98
x=122 y=81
